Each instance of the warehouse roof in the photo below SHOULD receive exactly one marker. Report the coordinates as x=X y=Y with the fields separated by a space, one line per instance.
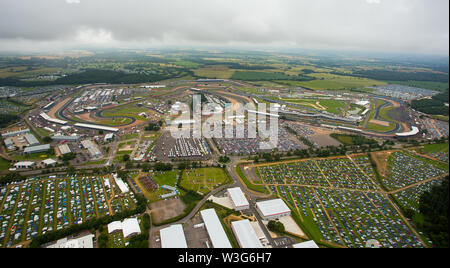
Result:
x=238 y=197
x=173 y=237
x=31 y=139
x=24 y=164
x=245 y=234
x=49 y=161
x=307 y=244
x=272 y=207
x=86 y=241
x=64 y=149
x=215 y=229
x=38 y=148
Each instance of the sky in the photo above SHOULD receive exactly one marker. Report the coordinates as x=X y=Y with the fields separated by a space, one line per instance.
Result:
x=407 y=26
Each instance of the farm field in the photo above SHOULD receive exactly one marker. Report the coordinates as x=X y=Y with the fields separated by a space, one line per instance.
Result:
x=340 y=201
x=40 y=205
x=203 y=180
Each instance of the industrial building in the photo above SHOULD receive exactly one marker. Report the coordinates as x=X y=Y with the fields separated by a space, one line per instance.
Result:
x=64 y=149
x=86 y=241
x=215 y=229
x=307 y=244
x=238 y=199
x=37 y=149
x=49 y=162
x=245 y=234
x=15 y=133
x=24 y=165
x=92 y=148
x=272 y=209
x=173 y=237
x=31 y=139
x=73 y=138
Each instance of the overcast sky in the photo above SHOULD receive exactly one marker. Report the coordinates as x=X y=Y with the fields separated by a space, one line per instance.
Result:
x=416 y=26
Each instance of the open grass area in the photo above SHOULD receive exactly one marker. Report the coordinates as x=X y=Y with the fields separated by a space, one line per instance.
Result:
x=330 y=81
x=203 y=180
x=129 y=136
x=435 y=148
x=260 y=76
x=4 y=164
x=130 y=110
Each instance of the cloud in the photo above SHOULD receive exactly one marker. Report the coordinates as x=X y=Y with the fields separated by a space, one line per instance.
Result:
x=417 y=26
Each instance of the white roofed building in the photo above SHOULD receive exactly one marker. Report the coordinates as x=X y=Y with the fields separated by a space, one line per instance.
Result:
x=49 y=162
x=173 y=237
x=238 y=199
x=86 y=241
x=272 y=209
x=307 y=244
x=114 y=226
x=24 y=164
x=215 y=229
x=245 y=234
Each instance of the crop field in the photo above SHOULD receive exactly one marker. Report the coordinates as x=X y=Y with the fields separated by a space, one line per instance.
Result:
x=40 y=205
x=203 y=180
x=339 y=200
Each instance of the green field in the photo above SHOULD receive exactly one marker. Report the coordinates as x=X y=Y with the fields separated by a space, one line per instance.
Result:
x=4 y=164
x=260 y=76
x=129 y=136
x=203 y=180
x=332 y=106
x=130 y=110
x=330 y=81
x=435 y=148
